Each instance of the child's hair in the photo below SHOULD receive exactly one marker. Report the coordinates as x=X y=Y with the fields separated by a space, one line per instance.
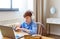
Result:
x=28 y=13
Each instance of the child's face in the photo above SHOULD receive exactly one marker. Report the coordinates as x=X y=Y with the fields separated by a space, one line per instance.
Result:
x=28 y=19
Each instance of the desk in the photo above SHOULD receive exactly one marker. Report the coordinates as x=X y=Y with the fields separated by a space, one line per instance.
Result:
x=43 y=37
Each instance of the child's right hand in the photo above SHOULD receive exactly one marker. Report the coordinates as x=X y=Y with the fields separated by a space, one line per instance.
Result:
x=18 y=29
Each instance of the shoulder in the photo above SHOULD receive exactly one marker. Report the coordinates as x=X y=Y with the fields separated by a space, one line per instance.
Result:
x=23 y=23
x=34 y=23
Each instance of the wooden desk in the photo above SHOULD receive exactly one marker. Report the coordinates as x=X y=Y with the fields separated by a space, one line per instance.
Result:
x=43 y=37
x=1 y=37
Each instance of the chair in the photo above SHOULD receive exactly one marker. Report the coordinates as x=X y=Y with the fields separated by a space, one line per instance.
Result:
x=41 y=28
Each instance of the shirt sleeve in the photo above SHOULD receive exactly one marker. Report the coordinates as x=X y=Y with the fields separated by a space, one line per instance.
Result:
x=22 y=25
x=34 y=29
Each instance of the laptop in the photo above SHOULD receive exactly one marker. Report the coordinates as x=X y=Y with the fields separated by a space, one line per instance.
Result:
x=8 y=31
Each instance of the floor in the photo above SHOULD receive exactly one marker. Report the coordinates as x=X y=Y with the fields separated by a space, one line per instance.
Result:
x=54 y=36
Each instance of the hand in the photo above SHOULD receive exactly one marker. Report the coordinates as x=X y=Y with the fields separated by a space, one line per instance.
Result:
x=17 y=28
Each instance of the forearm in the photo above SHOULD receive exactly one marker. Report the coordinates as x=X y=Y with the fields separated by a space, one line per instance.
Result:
x=26 y=30
x=32 y=32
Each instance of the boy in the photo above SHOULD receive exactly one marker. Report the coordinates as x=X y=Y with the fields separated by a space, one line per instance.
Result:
x=28 y=25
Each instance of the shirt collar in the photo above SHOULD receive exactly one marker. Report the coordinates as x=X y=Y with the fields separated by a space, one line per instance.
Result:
x=30 y=22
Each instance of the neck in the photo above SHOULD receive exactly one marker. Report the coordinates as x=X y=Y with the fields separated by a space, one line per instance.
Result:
x=29 y=22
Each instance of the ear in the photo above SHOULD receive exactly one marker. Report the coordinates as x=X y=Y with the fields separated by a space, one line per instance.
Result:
x=33 y=17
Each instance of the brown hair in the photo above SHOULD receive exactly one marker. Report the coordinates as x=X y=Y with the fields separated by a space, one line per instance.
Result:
x=28 y=13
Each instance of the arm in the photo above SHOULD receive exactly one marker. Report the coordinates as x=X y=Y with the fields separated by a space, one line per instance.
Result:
x=34 y=29
x=17 y=26
x=31 y=31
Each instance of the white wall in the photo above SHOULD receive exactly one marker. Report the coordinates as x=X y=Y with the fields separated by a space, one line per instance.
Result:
x=13 y=17
x=10 y=17
x=30 y=5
